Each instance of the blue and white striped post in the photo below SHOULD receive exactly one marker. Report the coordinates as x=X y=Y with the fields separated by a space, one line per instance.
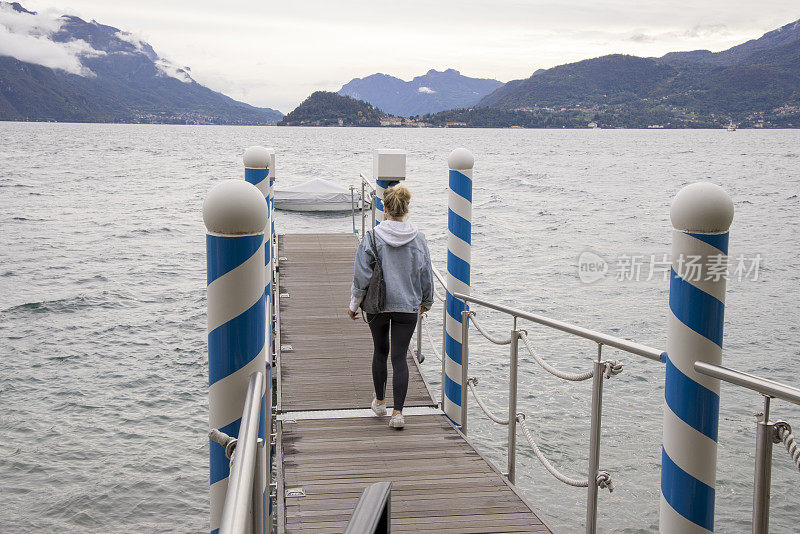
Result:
x=256 y=171
x=701 y=215
x=259 y=165
x=235 y=216
x=388 y=169
x=272 y=246
x=459 y=245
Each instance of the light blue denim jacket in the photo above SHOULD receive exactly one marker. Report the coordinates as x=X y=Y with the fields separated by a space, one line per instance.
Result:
x=406 y=271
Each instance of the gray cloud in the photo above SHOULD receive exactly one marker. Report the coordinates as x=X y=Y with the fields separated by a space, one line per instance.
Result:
x=26 y=37
x=165 y=66
x=641 y=38
x=707 y=30
x=697 y=32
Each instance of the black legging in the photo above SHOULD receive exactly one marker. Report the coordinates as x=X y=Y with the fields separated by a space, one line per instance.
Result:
x=402 y=328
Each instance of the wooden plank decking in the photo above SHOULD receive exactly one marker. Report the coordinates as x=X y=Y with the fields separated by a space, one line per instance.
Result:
x=440 y=482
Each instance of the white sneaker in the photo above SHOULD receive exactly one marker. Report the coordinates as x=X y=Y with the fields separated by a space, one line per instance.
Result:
x=397 y=421
x=379 y=409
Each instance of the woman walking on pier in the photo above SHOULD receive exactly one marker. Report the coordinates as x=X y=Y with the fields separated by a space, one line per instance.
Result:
x=403 y=255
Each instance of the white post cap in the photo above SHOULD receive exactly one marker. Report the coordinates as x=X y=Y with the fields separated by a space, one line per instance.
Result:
x=256 y=157
x=461 y=159
x=235 y=207
x=389 y=164
x=271 y=166
x=703 y=208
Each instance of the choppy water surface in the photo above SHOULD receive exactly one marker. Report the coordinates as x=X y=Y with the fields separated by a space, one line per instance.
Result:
x=102 y=304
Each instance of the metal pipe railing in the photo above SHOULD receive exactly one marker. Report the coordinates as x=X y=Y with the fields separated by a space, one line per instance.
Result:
x=364 y=185
x=594 y=475
x=512 y=405
x=373 y=511
x=766 y=432
x=240 y=498
x=438 y=276
x=594 y=442
x=597 y=337
x=464 y=367
x=441 y=281
x=762 y=478
x=372 y=198
x=353 y=207
x=363 y=196
x=753 y=382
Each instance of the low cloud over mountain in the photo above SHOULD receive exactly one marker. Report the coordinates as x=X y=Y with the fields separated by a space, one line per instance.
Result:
x=66 y=69
x=28 y=37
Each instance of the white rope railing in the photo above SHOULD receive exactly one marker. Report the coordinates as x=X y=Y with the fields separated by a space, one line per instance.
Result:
x=487 y=335
x=227 y=442
x=785 y=434
x=430 y=338
x=603 y=477
x=576 y=482
x=471 y=382
x=612 y=367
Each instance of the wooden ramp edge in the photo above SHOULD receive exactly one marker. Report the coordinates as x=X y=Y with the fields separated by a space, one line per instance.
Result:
x=329 y=446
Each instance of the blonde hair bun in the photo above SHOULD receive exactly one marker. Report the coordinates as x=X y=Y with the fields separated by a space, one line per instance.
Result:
x=396 y=200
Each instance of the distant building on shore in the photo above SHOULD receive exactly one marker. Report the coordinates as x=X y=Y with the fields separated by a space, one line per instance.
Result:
x=392 y=121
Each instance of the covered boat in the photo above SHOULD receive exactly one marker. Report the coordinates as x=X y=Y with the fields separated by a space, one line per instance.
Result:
x=316 y=195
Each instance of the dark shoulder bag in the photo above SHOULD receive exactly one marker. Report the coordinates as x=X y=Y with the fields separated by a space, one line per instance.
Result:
x=375 y=300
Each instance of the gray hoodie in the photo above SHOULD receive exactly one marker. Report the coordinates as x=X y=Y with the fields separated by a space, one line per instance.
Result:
x=406 y=264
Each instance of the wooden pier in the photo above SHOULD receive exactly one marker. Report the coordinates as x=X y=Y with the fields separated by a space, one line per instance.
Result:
x=330 y=445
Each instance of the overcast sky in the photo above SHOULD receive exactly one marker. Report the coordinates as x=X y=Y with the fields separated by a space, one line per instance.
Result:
x=275 y=53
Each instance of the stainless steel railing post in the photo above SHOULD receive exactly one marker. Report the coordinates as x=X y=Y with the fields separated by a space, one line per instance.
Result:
x=464 y=366
x=353 y=207
x=372 y=203
x=444 y=345
x=594 y=442
x=763 y=472
x=512 y=405
x=238 y=497
x=363 y=224
x=259 y=477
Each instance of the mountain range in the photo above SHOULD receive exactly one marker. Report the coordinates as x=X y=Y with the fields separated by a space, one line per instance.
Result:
x=759 y=76
x=429 y=93
x=68 y=69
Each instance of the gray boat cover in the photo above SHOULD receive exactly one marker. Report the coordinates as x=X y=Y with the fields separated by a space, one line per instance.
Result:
x=316 y=191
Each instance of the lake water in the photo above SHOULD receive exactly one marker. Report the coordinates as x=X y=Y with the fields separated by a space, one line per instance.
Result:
x=103 y=386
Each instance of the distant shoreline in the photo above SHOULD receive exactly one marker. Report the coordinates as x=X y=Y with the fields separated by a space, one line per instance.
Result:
x=395 y=127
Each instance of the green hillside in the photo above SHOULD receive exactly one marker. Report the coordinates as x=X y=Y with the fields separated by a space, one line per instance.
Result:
x=324 y=108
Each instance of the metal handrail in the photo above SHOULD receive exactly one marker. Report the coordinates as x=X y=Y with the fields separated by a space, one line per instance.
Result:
x=764 y=386
x=596 y=478
x=438 y=276
x=372 y=195
x=373 y=512
x=364 y=180
x=243 y=493
x=598 y=337
x=766 y=431
x=441 y=280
